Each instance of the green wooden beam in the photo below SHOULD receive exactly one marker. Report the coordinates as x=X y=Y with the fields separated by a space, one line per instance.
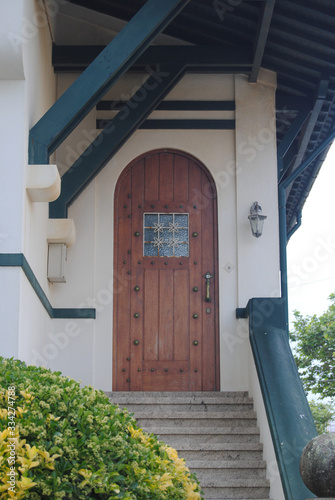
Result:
x=179 y=124
x=110 y=140
x=59 y=121
x=174 y=105
x=261 y=37
x=299 y=170
x=78 y=57
x=19 y=260
x=288 y=139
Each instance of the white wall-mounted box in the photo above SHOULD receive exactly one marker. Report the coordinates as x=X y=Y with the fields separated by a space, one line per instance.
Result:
x=56 y=262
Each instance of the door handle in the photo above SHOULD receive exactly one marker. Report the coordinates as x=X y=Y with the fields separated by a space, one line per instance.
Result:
x=208 y=276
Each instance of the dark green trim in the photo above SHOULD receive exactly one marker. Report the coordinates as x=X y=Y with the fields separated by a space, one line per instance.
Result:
x=261 y=37
x=19 y=260
x=296 y=226
x=283 y=252
x=174 y=105
x=241 y=312
x=69 y=110
x=111 y=139
x=285 y=183
x=288 y=139
x=289 y=416
x=196 y=57
x=181 y=124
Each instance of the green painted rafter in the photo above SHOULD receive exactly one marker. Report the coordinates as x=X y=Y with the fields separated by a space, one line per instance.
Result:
x=69 y=110
x=196 y=57
x=182 y=105
x=180 y=124
x=117 y=132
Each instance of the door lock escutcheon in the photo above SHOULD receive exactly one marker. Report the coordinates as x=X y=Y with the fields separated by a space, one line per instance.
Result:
x=208 y=276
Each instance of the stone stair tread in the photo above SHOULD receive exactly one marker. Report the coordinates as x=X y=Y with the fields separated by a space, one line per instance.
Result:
x=250 y=414
x=221 y=447
x=185 y=394
x=184 y=400
x=202 y=442
x=223 y=482
x=221 y=455
x=198 y=431
x=226 y=464
x=191 y=407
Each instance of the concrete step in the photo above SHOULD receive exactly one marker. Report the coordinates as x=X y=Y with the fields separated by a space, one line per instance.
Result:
x=234 y=469
x=220 y=447
x=223 y=482
x=187 y=399
x=203 y=440
x=196 y=419
x=139 y=396
x=178 y=398
x=233 y=492
x=241 y=474
x=216 y=433
x=228 y=454
x=183 y=406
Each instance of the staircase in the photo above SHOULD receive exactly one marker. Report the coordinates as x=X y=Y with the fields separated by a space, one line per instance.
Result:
x=215 y=432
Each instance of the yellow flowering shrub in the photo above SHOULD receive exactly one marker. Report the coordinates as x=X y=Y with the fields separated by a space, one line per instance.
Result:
x=68 y=442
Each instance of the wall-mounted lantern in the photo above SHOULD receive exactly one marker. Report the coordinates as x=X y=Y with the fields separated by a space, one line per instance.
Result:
x=256 y=219
x=56 y=262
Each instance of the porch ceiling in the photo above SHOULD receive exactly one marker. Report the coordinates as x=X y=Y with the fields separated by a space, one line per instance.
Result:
x=294 y=38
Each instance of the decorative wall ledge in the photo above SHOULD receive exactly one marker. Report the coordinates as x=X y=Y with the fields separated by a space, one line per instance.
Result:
x=61 y=231
x=43 y=183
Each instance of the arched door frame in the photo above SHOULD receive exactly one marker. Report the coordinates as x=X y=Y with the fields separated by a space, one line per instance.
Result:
x=208 y=195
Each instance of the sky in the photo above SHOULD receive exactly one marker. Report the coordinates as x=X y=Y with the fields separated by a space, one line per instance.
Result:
x=311 y=250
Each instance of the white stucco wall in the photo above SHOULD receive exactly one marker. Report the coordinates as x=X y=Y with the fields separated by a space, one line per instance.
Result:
x=27 y=90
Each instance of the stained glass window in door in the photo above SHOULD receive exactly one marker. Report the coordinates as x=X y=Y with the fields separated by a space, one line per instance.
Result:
x=165 y=235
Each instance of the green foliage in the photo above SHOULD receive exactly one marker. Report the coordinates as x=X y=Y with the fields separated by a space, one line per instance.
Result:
x=322 y=414
x=313 y=340
x=314 y=350
x=72 y=443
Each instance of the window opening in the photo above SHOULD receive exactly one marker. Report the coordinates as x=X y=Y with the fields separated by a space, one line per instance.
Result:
x=166 y=235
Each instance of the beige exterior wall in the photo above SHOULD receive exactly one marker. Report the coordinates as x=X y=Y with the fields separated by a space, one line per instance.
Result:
x=27 y=90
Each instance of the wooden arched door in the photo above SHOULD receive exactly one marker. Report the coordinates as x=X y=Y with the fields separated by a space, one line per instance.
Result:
x=165 y=308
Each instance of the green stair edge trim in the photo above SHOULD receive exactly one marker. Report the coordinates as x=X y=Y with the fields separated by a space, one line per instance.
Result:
x=19 y=260
x=289 y=416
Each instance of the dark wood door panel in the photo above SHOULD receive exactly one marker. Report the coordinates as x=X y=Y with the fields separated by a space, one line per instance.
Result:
x=165 y=333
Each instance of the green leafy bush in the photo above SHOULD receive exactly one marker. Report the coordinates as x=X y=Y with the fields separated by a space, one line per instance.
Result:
x=322 y=413
x=70 y=442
